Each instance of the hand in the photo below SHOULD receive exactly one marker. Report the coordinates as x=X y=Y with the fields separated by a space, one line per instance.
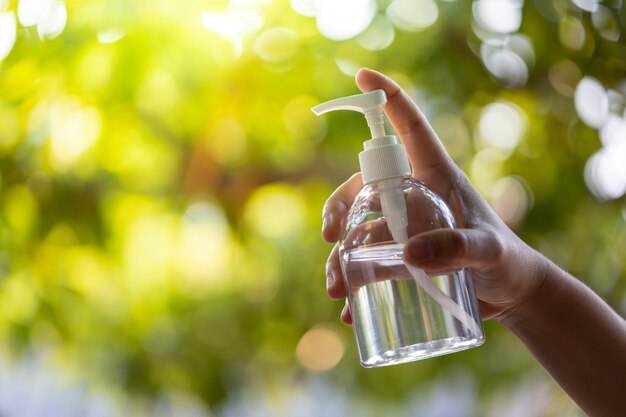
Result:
x=506 y=272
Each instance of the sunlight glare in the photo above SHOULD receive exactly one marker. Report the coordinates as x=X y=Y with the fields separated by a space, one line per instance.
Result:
x=232 y=22
x=345 y=19
x=8 y=27
x=499 y=16
x=303 y=7
x=50 y=16
x=53 y=22
x=31 y=12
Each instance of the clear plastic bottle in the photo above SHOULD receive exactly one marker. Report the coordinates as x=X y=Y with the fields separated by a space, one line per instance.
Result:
x=395 y=318
x=399 y=313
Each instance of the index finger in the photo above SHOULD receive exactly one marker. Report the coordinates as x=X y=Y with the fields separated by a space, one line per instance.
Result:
x=423 y=147
x=336 y=207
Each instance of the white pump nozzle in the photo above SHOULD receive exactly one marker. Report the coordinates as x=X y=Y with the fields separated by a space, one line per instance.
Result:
x=370 y=104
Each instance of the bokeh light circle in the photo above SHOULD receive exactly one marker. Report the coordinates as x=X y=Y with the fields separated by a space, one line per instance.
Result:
x=345 y=19
x=499 y=16
x=412 y=16
x=510 y=199
x=605 y=172
x=502 y=125
x=592 y=102
x=276 y=44
x=8 y=27
x=320 y=348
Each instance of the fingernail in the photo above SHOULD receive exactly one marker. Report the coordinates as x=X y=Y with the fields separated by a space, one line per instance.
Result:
x=330 y=279
x=422 y=249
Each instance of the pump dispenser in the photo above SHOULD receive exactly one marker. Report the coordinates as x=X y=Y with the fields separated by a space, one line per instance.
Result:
x=384 y=156
x=400 y=313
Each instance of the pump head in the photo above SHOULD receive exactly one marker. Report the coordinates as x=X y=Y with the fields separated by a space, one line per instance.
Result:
x=370 y=104
x=384 y=156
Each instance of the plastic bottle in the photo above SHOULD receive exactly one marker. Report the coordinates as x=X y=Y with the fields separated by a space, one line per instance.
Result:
x=400 y=313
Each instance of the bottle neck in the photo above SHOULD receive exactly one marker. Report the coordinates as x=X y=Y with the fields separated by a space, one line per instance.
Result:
x=388 y=183
x=383 y=158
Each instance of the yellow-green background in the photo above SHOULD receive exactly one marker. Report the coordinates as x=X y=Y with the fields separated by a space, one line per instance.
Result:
x=160 y=201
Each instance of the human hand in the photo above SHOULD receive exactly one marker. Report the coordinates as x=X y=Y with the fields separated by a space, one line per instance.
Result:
x=506 y=271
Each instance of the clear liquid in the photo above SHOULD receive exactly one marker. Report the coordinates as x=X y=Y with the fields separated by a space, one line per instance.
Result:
x=394 y=319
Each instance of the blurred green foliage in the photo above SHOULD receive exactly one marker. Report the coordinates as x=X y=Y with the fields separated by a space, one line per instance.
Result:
x=162 y=178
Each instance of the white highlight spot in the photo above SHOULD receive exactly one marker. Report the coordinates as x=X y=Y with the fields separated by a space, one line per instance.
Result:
x=8 y=27
x=587 y=5
x=504 y=64
x=614 y=131
x=412 y=15
x=605 y=172
x=50 y=16
x=110 y=35
x=230 y=23
x=303 y=7
x=378 y=36
x=502 y=125
x=345 y=19
x=31 y=12
x=499 y=16
x=592 y=102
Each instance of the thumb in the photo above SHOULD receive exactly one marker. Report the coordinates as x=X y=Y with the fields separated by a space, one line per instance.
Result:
x=451 y=249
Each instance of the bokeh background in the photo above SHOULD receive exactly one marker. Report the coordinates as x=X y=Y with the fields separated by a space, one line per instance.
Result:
x=162 y=179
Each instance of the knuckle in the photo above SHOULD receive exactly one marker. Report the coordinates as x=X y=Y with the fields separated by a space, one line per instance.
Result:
x=497 y=245
x=410 y=126
x=459 y=245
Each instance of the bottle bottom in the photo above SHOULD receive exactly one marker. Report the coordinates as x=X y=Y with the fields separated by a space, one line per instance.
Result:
x=420 y=351
x=395 y=319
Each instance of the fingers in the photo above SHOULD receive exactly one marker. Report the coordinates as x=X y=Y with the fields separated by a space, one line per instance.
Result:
x=335 y=284
x=444 y=250
x=422 y=145
x=336 y=208
x=334 y=214
x=334 y=278
x=346 y=315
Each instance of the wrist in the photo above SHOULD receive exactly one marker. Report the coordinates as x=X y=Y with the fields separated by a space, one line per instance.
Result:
x=549 y=278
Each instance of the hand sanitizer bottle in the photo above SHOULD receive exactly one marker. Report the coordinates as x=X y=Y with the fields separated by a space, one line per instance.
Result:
x=400 y=313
